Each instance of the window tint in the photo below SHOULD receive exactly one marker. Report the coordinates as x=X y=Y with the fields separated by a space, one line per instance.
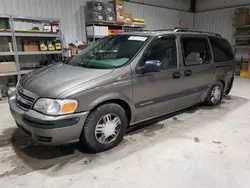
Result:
x=196 y=51
x=164 y=50
x=222 y=50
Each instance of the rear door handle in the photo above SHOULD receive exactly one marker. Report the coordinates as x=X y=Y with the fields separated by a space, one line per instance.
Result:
x=188 y=73
x=176 y=75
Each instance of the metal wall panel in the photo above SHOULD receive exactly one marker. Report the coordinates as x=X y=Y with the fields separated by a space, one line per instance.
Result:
x=218 y=21
x=72 y=16
x=174 y=4
x=65 y=10
x=215 y=4
x=160 y=18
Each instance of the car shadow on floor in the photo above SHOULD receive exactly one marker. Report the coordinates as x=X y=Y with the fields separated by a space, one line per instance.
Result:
x=29 y=156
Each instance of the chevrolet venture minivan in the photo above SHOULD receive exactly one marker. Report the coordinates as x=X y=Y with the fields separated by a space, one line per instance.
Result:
x=120 y=81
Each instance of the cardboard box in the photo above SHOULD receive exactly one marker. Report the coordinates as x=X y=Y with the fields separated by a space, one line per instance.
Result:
x=26 y=46
x=241 y=20
x=104 y=30
x=239 y=11
x=93 y=30
x=34 y=47
x=120 y=16
x=119 y=5
x=7 y=67
x=128 y=18
x=30 y=46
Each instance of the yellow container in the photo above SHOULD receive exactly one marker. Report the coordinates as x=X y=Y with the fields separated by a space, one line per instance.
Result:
x=141 y=20
x=244 y=66
x=244 y=73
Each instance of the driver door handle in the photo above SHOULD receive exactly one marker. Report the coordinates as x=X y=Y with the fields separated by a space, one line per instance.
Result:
x=176 y=75
x=188 y=73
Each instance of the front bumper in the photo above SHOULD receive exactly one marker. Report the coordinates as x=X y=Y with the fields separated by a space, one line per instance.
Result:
x=48 y=130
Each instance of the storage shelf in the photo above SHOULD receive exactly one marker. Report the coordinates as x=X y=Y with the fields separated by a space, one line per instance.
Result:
x=28 y=34
x=26 y=71
x=242 y=36
x=6 y=53
x=242 y=26
x=9 y=73
x=135 y=25
x=5 y=34
x=40 y=53
x=104 y=23
x=96 y=36
x=242 y=47
x=15 y=34
x=28 y=18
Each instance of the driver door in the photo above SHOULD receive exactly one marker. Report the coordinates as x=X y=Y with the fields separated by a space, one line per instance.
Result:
x=156 y=93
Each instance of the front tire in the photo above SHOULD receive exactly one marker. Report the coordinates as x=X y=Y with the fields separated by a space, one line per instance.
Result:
x=215 y=94
x=104 y=128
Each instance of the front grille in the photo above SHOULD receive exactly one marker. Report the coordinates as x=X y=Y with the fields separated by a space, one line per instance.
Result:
x=23 y=101
x=25 y=97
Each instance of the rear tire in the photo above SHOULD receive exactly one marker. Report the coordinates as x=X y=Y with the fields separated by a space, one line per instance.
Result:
x=215 y=94
x=104 y=128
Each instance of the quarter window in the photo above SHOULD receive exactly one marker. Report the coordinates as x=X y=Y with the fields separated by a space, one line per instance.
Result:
x=222 y=50
x=195 y=50
x=162 y=49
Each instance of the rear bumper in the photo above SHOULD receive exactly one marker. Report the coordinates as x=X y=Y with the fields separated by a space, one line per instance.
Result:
x=48 y=130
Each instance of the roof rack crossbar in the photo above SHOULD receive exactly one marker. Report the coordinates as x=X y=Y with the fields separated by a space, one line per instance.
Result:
x=189 y=30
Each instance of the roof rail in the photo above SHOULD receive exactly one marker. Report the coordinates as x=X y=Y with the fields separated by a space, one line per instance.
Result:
x=190 y=30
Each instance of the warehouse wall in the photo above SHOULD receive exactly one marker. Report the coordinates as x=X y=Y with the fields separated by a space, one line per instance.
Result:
x=174 y=4
x=220 y=21
x=72 y=18
x=160 y=18
x=217 y=21
x=65 y=10
x=215 y=4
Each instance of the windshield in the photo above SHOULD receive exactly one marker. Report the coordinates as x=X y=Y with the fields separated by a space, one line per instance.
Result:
x=109 y=52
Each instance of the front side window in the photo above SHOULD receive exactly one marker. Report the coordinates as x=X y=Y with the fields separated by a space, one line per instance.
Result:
x=222 y=50
x=196 y=51
x=164 y=50
x=109 y=52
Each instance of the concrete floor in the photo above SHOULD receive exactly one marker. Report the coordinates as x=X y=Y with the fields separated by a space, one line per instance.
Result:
x=200 y=147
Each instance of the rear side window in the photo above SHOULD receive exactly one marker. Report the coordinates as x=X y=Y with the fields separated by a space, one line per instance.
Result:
x=222 y=50
x=196 y=51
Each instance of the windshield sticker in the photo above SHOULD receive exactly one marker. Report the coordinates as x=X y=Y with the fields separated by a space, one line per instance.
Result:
x=137 y=38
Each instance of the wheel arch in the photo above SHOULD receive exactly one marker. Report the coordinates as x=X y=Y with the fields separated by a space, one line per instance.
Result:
x=121 y=102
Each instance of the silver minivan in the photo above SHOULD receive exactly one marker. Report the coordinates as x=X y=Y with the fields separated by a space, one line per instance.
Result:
x=120 y=81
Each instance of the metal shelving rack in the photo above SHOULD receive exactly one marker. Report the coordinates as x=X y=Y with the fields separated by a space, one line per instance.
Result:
x=242 y=45
x=9 y=34
x=123 y=27
x=14 y=34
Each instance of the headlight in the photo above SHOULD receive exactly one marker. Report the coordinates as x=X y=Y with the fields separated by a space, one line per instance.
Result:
x=55 y=107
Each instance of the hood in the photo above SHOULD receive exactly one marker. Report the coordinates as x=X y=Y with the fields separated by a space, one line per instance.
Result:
x=53 y=80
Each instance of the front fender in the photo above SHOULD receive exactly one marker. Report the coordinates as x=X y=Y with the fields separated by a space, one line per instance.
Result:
x=121 y=90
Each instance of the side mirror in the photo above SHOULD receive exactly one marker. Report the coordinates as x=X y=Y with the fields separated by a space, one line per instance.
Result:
x=151 y=66
x=193 y=59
